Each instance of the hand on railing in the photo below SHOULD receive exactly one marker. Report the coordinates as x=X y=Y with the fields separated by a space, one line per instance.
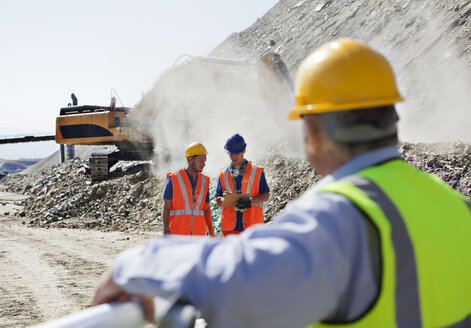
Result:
x=118 y=309
x=107 y=291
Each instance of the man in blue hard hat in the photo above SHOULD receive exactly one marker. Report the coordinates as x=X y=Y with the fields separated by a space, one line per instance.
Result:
x=244 y=177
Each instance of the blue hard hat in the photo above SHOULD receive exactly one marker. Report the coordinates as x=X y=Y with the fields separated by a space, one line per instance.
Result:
x=235 y=144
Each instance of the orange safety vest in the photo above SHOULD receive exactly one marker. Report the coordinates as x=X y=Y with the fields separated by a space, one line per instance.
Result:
x=186 y=210
x=250 y=185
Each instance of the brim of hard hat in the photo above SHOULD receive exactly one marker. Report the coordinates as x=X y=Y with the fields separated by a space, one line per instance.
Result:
x=189 y=155
x=237 y=151
x=295 y=113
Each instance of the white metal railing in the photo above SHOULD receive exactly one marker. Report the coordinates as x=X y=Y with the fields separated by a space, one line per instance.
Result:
x=20 y=135
x=168 y=314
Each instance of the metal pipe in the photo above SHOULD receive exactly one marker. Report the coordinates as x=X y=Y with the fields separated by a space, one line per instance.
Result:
x=170 y=313
x=118 y=315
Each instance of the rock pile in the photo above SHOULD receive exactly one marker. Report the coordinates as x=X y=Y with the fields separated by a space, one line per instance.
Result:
x=449 y=161
x=287 y=178
x=64 y=196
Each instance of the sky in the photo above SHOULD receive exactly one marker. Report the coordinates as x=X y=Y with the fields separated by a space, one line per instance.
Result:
x=52 y=48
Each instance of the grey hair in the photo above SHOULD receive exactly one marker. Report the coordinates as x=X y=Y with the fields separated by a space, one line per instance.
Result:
x=360 y=125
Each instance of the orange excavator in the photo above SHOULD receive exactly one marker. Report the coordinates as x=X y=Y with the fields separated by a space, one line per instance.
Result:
x=93 y=125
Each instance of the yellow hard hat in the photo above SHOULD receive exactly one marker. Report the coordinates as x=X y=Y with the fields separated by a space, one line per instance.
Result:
x=341 y=75
x=194 y=149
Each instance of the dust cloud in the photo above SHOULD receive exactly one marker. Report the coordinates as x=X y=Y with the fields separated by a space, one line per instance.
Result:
x=208 y=100
x=436 y=87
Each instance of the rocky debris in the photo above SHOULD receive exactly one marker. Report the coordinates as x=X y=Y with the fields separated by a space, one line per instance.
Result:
x=64 y=196
x=449 y=161
x=287 y=178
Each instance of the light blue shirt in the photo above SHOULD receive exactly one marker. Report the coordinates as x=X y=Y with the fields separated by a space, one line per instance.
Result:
x=316 y=261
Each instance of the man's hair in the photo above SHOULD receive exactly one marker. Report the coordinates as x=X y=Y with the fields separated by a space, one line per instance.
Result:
x=360 y=129
x=192 y=157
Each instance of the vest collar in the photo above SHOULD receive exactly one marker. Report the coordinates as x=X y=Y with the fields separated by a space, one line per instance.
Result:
x=359 y=163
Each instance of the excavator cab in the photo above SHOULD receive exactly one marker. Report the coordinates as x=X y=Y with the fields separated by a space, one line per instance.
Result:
x=93 y=125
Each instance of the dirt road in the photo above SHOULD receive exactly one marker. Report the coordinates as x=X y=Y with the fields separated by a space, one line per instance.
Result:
x=48 y=273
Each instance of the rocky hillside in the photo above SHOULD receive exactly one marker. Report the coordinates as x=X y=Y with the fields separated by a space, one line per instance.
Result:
x=15 y=166
x=427 y=42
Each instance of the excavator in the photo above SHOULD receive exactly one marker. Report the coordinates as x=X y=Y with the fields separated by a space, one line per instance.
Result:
x=93 y=125
x=113 y=126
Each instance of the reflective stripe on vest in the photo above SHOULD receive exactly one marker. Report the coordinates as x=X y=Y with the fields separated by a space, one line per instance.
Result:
x=186 y=212
x=407 y=298
x=468 y=204
x=466 y=323
x=184 y=192
x=201 y=195
x=251 y=178
x=226 y=182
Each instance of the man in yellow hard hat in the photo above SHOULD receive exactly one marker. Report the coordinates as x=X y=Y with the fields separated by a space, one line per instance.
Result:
x=375 y=243
x=185 y=209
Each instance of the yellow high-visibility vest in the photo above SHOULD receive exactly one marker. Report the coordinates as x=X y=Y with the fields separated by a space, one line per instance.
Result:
x=425 y=232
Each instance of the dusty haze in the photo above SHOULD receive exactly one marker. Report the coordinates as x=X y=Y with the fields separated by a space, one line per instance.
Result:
x=208 y=102
x=427 y=43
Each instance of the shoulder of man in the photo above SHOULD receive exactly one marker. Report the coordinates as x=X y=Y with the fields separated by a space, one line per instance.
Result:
x=253 y=164
x=204 y=176
x=326 y=208
x=169 y=174
x=221 y=173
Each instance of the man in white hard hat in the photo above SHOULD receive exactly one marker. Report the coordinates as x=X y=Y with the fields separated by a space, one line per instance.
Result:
x=375 y=243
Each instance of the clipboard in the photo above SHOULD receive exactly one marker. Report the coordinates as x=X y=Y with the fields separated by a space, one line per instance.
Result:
x=231 y=199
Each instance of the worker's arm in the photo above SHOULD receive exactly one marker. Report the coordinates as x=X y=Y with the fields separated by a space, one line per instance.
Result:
x=208 y=218
x=167 y=202
x=166 y=215
x=263 y=189
x=312 y=260
x=107 y=291
x=218 y=194
x=262 y=198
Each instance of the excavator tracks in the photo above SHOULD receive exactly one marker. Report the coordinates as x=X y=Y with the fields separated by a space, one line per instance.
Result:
x=99 y=166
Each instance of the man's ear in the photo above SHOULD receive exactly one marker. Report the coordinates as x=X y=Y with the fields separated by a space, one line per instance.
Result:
x=313 y=135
